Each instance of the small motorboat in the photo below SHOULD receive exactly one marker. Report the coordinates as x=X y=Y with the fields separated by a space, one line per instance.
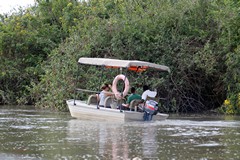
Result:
x=89 y=109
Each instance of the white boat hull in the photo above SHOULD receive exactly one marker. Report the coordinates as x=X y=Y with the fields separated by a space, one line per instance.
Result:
x=82 y=110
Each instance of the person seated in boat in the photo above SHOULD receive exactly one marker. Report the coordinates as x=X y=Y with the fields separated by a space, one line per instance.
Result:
x=132 y=97
x=104 y=94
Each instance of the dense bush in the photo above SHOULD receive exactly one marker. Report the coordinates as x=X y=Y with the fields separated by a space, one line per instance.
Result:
x=198 y=40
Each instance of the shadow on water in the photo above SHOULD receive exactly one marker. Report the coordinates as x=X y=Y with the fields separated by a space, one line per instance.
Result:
x=35 y=134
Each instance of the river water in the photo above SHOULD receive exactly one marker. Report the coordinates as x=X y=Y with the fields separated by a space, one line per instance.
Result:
x=27 y=133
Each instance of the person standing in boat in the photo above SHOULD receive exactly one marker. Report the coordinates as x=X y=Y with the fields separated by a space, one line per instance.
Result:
x=104 y=94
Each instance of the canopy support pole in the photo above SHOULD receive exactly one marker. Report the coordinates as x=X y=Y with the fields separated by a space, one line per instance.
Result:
x=100 y=82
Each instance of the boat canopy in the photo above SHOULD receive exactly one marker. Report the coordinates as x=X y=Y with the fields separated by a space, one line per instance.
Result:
x=134 y=65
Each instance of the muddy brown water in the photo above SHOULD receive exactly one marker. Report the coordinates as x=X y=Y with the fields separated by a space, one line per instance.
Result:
x=27 y=133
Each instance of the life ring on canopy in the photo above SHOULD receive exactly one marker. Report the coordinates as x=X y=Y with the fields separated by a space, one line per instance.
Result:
x=119 y=95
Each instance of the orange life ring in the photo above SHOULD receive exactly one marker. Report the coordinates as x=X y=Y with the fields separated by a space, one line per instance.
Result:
x=118 y=95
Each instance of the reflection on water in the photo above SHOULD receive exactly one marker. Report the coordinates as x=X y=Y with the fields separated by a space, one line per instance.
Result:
x=32 y=134
x=114 y=141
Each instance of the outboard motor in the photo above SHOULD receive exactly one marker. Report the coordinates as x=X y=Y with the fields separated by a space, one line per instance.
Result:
x=150 y=108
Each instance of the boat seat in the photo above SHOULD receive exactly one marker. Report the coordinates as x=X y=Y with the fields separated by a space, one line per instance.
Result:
x=134 y=104
x=108 y=101
x=113 y=102
x=92 y=99
x=121 y=101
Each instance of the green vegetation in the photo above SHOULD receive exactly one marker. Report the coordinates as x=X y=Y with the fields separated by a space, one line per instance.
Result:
x=198 y=40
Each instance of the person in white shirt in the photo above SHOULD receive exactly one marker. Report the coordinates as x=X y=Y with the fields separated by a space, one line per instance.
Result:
x=147 y=93
x=103 y=94
x=150 y=107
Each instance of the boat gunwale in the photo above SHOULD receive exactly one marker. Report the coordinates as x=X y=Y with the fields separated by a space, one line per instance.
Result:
x=123 y=113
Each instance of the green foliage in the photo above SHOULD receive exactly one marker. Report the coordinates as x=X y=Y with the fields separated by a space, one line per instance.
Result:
x=26 y=40
x=232 y=103
x=230 y=38
x=199 y=40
